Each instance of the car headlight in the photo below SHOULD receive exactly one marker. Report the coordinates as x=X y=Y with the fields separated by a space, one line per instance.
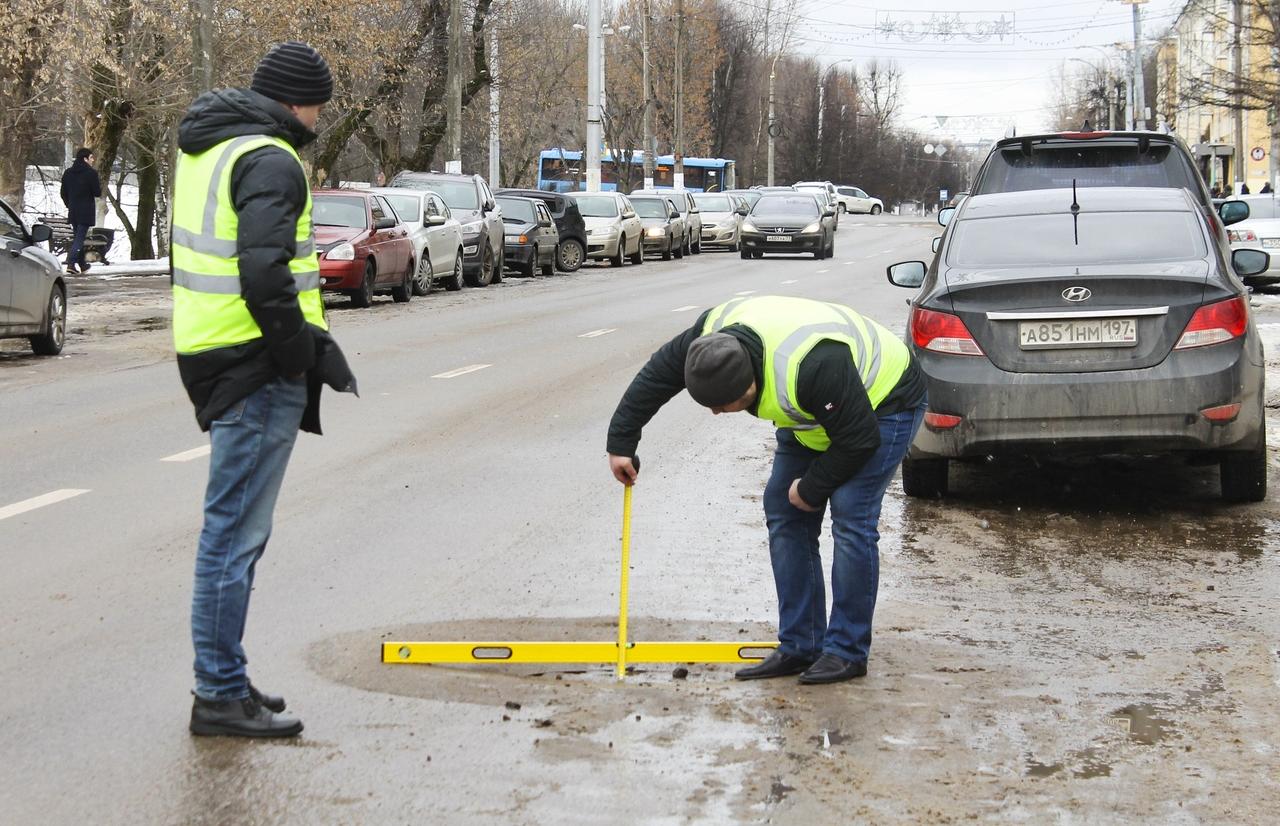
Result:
x=472 y=228
x=603 y=231
x=816 y=226
x=656 y=232
x=517 y=239
x=342 y=252
x=747 y=226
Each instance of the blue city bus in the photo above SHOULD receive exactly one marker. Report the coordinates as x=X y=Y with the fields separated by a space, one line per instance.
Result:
x=562 y=170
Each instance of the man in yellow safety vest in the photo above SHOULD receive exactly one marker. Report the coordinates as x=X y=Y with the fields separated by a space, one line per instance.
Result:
x=847 y=400
x=253 y=348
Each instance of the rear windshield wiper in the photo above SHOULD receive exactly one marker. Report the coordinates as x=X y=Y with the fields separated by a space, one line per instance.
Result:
x=1075 y=211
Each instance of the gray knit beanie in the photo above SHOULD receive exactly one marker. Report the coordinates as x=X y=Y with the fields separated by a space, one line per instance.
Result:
x=717 y=370
x=294 y=73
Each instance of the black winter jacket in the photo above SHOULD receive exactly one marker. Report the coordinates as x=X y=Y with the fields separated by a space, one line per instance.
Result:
x=269 y=191
x=80 y=185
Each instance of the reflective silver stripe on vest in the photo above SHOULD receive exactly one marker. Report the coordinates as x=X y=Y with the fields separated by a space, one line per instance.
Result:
x=306 y=249
x=203 y=244
x=867 y=369
x=230 y=284
x=729 y=306
x=199 y=282
x=786 y=351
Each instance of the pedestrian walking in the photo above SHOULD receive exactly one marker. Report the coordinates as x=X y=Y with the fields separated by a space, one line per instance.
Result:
x=80 y=189
x=1266 y=189
x=1244 y=189
x=847 y=399
x=253 y=348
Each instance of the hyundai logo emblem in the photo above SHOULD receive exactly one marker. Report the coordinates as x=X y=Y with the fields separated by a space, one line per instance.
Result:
x=1077 y=293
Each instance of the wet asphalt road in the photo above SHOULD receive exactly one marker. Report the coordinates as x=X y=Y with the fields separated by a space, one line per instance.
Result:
x=1078 y=642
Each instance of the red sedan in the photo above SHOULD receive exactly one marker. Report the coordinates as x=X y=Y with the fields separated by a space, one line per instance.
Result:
x=364 y=249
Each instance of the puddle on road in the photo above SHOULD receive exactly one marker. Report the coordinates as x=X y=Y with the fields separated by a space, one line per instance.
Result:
x=1140 y=723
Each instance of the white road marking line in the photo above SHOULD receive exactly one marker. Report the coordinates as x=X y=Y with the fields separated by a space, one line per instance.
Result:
x=51 y=498
x=597 y=333
x=461 y=371
x=686 y=308
x=792 y=281
x=746 y=292
x=820 y=272
x=849 y=262
x=188 y=455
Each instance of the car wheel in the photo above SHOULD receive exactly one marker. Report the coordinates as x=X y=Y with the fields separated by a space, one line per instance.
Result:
x=362 y=296
x=757 y=254
x=696 y=249
x=549 y=268
x=454 y=282
x=841 y=208
x=425 y=279
x=499 y=268
x=403 y=291
x=527 y=269
x=925 y=478
x=666 y=254
x=637 y=257
x=875 y=209
x=736 y=245
x=1243 y=474
x=616 y=260
x=569 y=255
x=49 y=342
x=679 y=250
x=747 y=255
x=485 y=276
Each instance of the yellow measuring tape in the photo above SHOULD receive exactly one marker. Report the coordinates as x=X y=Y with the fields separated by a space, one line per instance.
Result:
x=619 y=653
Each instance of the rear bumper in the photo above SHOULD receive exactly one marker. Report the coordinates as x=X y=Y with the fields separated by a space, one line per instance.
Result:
x=1155 y=410
x=797 y=244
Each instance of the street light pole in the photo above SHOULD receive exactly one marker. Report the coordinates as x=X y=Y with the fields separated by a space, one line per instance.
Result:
x=453 y=121
x=650 y=145
x=773 y=73
x=593 y=96
x=678 y=169
x=1138 y=94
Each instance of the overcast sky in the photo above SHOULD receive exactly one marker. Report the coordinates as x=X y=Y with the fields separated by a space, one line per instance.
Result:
x=996 y=71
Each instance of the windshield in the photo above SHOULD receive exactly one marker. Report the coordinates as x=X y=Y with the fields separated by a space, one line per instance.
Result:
x=650 y=207
x=1056 y=166
x=597 y=206
x=801 y=206
x=1050 y=240
x=519 y=209
x=338 y=211
x=456 y=194
x=712 y=203
x=406 y=206
x=750 y=196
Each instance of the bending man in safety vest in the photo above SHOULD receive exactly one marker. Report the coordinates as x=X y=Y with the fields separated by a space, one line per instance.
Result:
x=253 y=348
x=847 y=400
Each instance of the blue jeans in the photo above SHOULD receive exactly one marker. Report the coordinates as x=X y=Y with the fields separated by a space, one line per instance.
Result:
x=803 y=628
x=76 y=254
x=251 y=445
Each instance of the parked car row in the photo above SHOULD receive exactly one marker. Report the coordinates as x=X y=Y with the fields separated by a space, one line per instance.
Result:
x=1084 y=300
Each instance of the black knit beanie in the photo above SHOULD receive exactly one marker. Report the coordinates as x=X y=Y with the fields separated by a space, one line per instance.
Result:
x=294 y=73
x=717 y=370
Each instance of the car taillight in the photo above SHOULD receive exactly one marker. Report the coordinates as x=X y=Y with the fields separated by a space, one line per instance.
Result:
x=1222 y=414
x=942 y=333
x=940 y=421
x=1236 y=235
x=1215 y=323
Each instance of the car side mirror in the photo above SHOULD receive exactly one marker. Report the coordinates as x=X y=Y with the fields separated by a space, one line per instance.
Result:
x=41 y=233
x=435 y=220
x=1233 y=212
x=385 y=223
x=937 y=244
x=1250 y=262
x=945 y=215
x=828 y=211
x=742 y=211
x=907 y=274
x=674 y=214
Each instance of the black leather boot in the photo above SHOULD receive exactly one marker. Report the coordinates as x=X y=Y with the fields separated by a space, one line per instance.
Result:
x=241 y=718
x=776 y=664
x=273 y=702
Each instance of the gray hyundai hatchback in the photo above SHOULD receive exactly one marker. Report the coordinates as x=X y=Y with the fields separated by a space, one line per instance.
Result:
x=1086 y=321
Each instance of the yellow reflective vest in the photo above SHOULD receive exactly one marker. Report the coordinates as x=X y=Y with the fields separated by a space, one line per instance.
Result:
x=790 y=328
x=208 y=311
